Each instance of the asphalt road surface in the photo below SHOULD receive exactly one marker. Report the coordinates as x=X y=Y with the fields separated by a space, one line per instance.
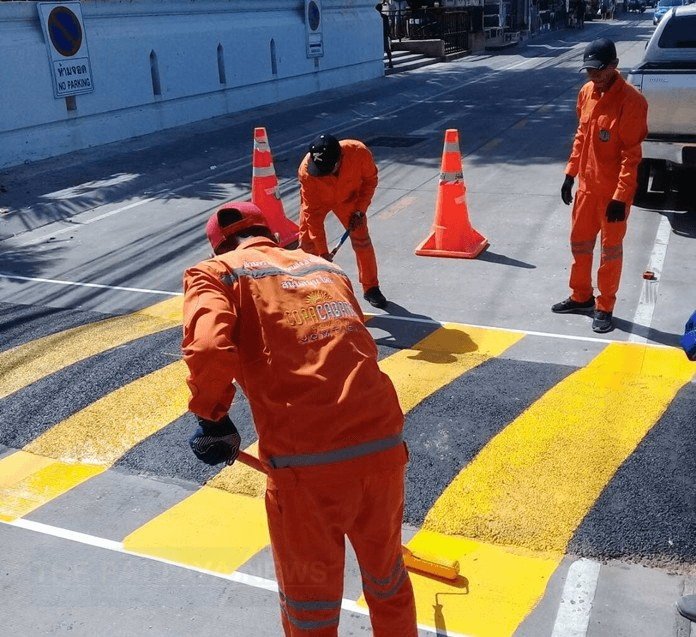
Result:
x=555 y=464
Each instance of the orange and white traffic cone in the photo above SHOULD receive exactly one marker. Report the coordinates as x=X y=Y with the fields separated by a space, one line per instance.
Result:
x=452 y=234
x=264 y=191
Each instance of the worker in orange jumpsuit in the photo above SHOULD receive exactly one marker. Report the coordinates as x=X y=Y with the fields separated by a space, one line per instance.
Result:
x=287 y=328
x=613 y=121
x=340 y=177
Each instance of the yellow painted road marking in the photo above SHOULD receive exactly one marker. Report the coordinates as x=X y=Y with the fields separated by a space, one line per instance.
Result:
x=28 y=481
x=211 y=529
x=533 y=484
x=241 y=479
x=30 y=362
x=91 y=440
x=442 y=357
x=418 y=372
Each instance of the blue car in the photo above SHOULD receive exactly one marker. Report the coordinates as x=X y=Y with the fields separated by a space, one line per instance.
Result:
x=663 y=6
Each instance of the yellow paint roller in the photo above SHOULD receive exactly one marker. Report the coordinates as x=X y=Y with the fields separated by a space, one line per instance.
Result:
x=414 y=560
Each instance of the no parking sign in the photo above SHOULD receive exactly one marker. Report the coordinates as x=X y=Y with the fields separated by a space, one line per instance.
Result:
x=66 y=43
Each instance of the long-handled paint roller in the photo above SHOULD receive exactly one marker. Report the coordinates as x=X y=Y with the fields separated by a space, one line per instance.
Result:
x=333 y=252
x=414 y=560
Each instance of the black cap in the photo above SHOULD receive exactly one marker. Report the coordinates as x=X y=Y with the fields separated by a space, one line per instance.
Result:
x=599 y=54
x=324 y=153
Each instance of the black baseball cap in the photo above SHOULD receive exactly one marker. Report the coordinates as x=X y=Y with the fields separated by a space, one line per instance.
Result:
x=324 y=153
x=599 y=54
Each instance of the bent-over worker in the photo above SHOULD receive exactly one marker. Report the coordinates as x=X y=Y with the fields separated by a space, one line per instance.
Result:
x=340 y=177
x=287 y=328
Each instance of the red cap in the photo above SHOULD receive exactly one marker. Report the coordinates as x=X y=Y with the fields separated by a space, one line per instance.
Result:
x=231 y=218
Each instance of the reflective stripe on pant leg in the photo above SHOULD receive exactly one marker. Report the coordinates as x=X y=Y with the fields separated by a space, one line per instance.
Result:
x=307 y=528
x=610 y=263
x=376 y=538
x=585 y=227
x=387 y=587
x=311 y=616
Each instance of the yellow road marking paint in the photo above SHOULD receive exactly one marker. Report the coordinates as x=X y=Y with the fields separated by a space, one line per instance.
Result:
x=535 y=481
x=211 y=529
x=241 y=479
x=442 y=357
x=104 y=431
x=30 y=362
x=497 y=586
x=435 y=361
x=90 y=440
x=28 y=481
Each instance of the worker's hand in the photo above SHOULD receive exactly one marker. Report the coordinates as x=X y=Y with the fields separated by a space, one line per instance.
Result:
x=356 y=220
x=328 y=256
x=567 y=190
x=616 y=211
x=216 y=442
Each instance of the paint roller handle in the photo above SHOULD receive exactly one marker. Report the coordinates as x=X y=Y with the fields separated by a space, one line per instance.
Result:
x=252 y=461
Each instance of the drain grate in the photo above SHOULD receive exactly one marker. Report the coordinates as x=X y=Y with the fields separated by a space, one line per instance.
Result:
x=395 y=142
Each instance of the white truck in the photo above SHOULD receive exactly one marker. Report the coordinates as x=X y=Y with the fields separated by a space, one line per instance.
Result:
x=667 y=78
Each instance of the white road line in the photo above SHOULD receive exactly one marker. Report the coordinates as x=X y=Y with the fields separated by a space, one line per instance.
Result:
x=648 y=294
x=415 y=319
x=573 y=616
x=87 y=285
x=240 y=578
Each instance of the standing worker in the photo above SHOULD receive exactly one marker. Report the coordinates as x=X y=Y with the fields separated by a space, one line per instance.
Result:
x=386 y=33
x=342 y=177
x=286 y=326
x=613 y=121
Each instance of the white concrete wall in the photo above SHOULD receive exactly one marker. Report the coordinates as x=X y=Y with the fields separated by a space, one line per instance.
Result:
x=184 y=35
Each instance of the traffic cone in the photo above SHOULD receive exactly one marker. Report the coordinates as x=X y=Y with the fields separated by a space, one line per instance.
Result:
x=264 y=192
x=452 y=234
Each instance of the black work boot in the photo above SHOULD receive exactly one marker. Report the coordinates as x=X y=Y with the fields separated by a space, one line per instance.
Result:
x=568 y=306
x=602 y=322
x=375 y=298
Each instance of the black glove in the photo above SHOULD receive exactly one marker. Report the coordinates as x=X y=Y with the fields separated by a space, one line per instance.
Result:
x=216 y=442
x=616 y=211
x=567 y=190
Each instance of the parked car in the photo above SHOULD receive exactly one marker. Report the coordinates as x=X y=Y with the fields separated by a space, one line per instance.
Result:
x=667 y=78
x=663 y=6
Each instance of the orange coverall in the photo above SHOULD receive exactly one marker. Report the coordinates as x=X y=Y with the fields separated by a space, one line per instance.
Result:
x=349 y=191
x=285 y=325
x=605 y=157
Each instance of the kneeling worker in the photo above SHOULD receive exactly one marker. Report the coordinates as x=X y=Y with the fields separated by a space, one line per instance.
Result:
x=340 y=177
x=287 y=328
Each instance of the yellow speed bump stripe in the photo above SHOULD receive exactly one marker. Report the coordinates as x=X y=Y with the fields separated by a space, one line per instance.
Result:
x=28 y=481
x=442 y=357
x=91 y=440
x=239 y=478
x=30 y=362
x=532 y=485
x=212 y=529
x=238 y=527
